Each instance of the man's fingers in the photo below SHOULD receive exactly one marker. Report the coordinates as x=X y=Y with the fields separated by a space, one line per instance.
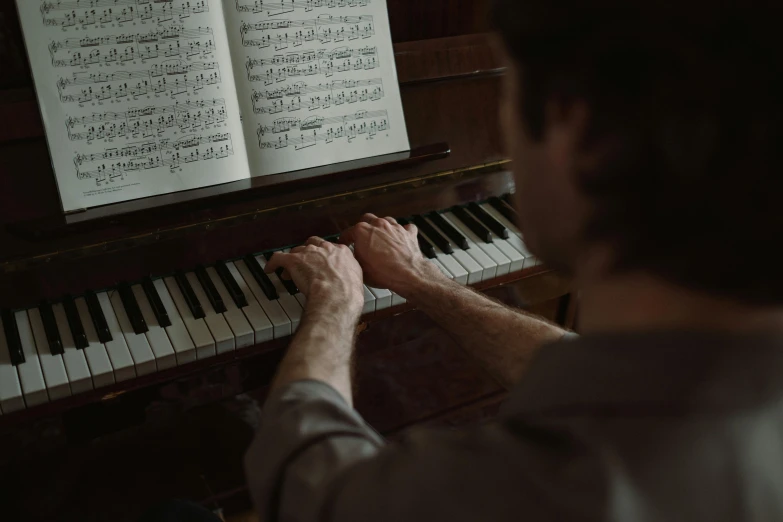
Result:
x=369 y=218
x=316 y=241
x=348 y=236
x=298 y=249
x=413 y=229
x=278 y=260
x=391 y=220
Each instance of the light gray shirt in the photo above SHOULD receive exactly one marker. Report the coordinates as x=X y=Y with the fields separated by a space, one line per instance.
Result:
x=657 y=427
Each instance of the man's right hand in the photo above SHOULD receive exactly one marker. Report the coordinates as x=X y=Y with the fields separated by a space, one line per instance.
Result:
x=389 y=254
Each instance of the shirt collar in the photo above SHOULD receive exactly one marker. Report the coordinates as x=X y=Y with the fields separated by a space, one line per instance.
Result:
x=630 y=373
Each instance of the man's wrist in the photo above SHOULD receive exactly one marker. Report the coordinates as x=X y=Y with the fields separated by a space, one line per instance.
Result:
x=335 y=303
x=422 y=279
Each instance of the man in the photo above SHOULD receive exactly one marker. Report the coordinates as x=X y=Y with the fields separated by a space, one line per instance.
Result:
x=645 y=148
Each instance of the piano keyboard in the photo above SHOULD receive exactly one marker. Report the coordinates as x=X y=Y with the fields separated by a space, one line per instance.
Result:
x=78 y=344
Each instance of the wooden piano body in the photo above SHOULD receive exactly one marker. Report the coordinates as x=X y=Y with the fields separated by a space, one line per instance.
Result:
x=90 y=454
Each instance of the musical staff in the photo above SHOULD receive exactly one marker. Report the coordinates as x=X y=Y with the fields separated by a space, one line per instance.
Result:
x=303 y=96
x=278 y=7
x=309 y=64
x=98 y=12
x=316 y=122
x=324 y=130
x=173 y=77
x=148 y=121
x=117 y=49
x=324 y=29
x=116 y=163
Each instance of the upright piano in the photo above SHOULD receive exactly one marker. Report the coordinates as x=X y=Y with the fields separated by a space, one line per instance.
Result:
x=136 y=338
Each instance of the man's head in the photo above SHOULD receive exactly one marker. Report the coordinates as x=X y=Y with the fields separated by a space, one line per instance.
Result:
x=650 y=133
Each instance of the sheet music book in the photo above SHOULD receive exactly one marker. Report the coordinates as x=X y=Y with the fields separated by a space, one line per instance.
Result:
x=148 y=97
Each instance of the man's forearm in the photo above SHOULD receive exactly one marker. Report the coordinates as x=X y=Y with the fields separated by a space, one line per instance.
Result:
x=322 y=350
x=502 y=339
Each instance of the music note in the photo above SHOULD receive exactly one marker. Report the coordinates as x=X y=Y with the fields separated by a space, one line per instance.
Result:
x=277 y=7
x=173 y=77
x=148 y=121
x=297 y=96
x=114 y=163
x=168 y=42
x=85 y=13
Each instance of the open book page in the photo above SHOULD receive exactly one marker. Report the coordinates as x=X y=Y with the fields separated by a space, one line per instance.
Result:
x=317 y=81
x=137 y=97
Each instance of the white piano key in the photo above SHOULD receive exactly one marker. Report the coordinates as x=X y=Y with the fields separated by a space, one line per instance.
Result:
x=515 y=238
x=383 y=298
x=177 y=332
x=30 y=375
x=503 y=263
x=244 y=334
x=11 y=397
x=165 y=357
x=117 y=348
x=75 y=362
x=138 y=345
x=461 y=257
x=489 y=267
x=290 y=305
x=280 y=321
x=398 y=300
x=369 y=301
x=95 y=352
x=263 y=326
x=517 y=259
x=197 y=328
x=452 y=268
x=442 y=268
x=53 y=368
x=221 y=332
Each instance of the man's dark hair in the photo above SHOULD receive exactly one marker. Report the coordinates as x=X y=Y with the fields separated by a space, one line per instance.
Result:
x=688 y=102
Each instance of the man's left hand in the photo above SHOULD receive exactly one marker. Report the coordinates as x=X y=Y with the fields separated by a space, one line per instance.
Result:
x=326 y=273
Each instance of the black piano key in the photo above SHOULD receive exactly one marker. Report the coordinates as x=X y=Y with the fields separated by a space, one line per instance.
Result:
x=454 y=234
x=505 y=211
x=75 y=323
x=12 y=338
x=50 y=328
x=132 y=309
x=287 y=283
x=439 y=239
x=98 y=319
x=209 y=288
x=261 y=278
x=474 y=226
x=425 y=246
x=508 y=199
x=231 y=285
x=155 y=302
x=189 y=295
x=491 y=223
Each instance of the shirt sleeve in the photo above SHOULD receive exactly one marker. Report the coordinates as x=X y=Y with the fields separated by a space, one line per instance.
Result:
x=315 y=459
x=307 y=436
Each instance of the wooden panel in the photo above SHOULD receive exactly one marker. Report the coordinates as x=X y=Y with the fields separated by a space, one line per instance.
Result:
x=425 y=19
x=13 y=58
